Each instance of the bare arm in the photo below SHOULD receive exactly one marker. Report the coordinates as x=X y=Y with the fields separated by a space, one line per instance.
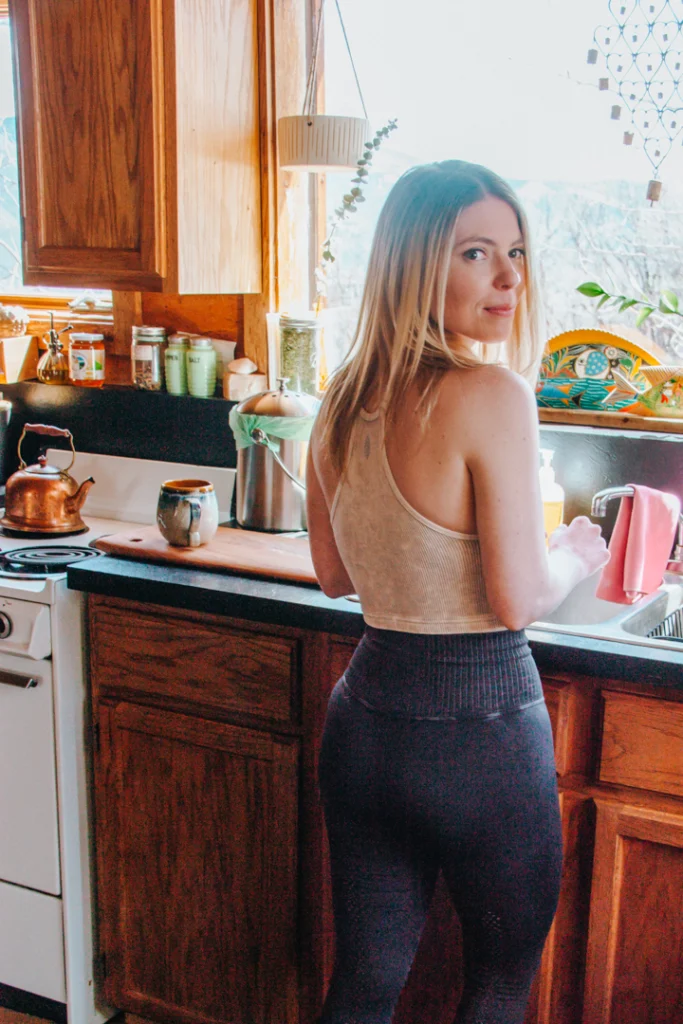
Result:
x=329 y=568
x=523 y=580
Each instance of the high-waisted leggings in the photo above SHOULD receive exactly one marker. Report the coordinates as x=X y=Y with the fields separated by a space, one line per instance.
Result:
x=437 y=754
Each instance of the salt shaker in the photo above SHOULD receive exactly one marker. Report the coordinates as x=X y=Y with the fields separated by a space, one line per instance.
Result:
x=201 y=368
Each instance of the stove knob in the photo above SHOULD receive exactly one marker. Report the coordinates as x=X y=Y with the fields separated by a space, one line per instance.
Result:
x=5 y=626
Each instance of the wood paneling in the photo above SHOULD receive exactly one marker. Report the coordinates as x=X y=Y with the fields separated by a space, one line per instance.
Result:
x=642 y=743
x=193 y=664
x=219 y=241
x=218 y=316
x=197 y=841
x=635 y=941
x=613 y=420
x=285 y=196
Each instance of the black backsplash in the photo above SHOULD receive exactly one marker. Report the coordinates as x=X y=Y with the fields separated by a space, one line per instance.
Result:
x=149 y=425
x=587 y=459
x=121 y=421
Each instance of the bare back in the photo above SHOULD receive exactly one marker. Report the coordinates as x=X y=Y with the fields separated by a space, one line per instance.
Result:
x=428 y=464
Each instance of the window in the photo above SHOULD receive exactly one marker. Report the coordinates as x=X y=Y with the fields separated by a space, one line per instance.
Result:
x=508 y=85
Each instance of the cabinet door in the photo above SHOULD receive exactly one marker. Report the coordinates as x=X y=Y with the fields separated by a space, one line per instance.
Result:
x=635 y=939
x=557 y=993
x=196 y=838
x=91 y=141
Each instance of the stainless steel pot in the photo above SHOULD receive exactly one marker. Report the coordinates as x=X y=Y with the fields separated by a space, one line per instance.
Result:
x=271 y=493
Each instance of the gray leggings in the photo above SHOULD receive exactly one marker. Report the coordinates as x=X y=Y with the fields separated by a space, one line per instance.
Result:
x=437 y=753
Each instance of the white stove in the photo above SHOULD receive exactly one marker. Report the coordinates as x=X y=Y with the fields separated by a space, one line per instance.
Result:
x=46 y=856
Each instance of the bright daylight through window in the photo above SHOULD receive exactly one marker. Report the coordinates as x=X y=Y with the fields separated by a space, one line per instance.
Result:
x=508 y=85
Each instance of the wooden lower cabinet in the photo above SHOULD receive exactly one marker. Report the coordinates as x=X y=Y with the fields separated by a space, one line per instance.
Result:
x=634 y=971
x=214 y=897
x=197 y=857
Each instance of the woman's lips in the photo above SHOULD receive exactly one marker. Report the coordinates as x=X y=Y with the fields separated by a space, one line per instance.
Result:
x=500 y=310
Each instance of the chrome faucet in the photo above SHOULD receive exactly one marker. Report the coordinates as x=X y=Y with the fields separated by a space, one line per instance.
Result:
x=602 y=498
x=599 y=508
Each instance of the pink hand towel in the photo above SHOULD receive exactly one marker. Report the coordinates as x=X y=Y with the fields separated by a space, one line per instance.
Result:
x=640 y=546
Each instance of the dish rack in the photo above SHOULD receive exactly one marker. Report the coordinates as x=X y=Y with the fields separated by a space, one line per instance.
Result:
x=671 y=627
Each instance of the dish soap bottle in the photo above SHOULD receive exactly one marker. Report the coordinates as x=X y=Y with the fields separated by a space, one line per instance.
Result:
x=552 y=495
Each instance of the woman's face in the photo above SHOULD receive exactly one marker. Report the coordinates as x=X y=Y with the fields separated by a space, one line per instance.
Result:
x=486 y=277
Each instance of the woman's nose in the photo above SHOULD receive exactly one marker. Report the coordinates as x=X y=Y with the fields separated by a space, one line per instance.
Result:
x=508 y=276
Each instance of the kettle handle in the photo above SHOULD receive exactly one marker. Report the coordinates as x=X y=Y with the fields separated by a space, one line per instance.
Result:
x=259 y=436
x=44 y=428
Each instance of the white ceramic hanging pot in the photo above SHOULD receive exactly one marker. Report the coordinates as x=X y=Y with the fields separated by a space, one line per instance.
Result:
x=321 y=142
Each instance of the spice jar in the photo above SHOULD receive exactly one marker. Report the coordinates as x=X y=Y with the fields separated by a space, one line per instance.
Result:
x=146 y=357
x=86 y=360
x=201 y=368
x=299 y=346
x=176 y=367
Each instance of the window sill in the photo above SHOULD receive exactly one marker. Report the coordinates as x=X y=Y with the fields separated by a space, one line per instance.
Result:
x=611 y=420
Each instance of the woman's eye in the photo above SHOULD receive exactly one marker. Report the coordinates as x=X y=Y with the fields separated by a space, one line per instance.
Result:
x=474 y=254
x=518 y=254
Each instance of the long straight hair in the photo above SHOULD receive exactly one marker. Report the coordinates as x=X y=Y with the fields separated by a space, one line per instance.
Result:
x=397 y=339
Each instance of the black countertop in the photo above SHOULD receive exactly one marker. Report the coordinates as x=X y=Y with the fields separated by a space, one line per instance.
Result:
x=306 y=607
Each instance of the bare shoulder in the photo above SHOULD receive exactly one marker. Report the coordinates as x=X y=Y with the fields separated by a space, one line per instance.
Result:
x=480 y=405
x=491 y=383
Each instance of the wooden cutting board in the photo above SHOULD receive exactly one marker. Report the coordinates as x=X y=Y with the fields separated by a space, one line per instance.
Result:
x=231 y=550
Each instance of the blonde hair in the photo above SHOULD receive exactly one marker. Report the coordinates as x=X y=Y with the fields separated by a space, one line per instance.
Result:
x=397 y=341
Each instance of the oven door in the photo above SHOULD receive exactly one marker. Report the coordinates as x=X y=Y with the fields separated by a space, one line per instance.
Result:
x=29 y=837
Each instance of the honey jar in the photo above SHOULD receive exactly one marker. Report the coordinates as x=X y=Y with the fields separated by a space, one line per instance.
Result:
x=86 y=360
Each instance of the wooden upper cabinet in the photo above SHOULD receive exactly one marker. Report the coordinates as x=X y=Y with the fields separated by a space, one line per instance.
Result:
x=138 y=128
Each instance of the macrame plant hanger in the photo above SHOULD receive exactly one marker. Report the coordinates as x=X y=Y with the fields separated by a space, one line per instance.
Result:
x=322 y=142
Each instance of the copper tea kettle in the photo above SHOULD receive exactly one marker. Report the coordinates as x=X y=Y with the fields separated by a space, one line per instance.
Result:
x=43 y=498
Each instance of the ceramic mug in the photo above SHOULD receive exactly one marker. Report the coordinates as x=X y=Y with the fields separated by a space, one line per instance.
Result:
x=187 y=512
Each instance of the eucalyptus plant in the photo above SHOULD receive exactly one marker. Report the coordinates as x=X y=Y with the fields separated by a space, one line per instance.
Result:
x=668 y=302
x=354 y=196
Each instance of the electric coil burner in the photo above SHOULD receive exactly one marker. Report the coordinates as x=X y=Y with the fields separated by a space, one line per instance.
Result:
x=38 y=562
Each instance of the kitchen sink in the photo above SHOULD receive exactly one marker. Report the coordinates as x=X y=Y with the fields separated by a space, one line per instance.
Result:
x=582 y=607
x=661 y=618
x=656 y=620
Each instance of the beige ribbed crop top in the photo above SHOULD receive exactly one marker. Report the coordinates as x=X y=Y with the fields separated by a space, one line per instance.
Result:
x=410 y=574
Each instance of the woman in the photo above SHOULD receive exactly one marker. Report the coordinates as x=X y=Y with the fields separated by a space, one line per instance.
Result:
x=424 y=499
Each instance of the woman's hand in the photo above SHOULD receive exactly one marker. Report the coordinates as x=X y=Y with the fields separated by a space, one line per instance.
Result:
x=583 y=540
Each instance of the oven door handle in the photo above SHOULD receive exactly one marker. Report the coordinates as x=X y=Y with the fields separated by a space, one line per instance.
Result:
x=15 y=679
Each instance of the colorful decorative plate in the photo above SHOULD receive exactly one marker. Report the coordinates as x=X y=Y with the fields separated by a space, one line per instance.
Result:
x=577 y=371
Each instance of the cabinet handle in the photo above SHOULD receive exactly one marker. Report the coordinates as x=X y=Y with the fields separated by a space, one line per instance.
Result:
x=14 y=679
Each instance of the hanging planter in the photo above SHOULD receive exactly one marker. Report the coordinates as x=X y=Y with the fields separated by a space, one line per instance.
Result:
x=322 y=142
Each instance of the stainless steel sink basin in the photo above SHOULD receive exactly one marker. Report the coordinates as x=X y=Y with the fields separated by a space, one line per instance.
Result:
x=662 y=617
x=582 y=607
x=584 y=614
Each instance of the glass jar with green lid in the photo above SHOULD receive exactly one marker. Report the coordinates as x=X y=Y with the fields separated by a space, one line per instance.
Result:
x=146 y=357
x=176 y=365
x=201 y=368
